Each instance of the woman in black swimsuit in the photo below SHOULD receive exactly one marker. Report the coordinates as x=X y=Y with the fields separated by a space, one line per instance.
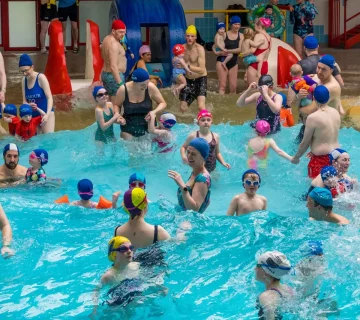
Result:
x=135 y=99
x=233 y=45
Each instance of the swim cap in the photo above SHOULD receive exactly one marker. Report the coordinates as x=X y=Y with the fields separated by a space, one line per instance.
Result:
x=235 y=19
x=85 y=189
x=336 y=153
x=251 y=171
x=328 y=172
x=274 y=263
x=262 y=127
x=137 y=177
x=178 y=49
x=118 y=24
x=11 y=109
x=135 y=201
x=25 y=61
x=265 y=22
x=328 y=60
x=115 y=243
x=315 y=248
x=12 y=147
x=144 y=49
x=168 y=120
x=322 y=196
x=42 y=155
x=204 y=113
x=220 y=25
x=202 y=146
x=140 y=75
x=321 y=94
x=311 y=43
x=191 y=30
x=25 y=110
x=266 y=80
x=96 y=90
x=283 y=95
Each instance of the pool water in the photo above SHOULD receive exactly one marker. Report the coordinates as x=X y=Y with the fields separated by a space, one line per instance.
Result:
x=61 y=251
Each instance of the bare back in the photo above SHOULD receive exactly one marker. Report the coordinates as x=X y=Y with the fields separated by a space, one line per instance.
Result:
x=246 y=46
x=141 y=235
x=266 y=45
x=113 y=53
x=219 y=41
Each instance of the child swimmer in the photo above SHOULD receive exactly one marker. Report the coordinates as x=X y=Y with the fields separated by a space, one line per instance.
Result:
x=37 y=159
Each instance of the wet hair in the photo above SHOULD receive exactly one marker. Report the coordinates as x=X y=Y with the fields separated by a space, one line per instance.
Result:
x=249 y=33
x=252 y=176
x=326 y=208
x=296 y=70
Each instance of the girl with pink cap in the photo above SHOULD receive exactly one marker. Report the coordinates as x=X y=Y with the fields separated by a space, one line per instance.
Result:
x=258 y=147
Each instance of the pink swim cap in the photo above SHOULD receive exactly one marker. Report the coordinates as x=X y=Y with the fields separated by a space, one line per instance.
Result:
x=144 y=49
x=265 y=22
x=262 y=127
x=204 y=113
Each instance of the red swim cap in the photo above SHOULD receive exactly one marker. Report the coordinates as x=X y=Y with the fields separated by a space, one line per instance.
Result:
x=204 y=113
x=178 y=49
x=118 y=24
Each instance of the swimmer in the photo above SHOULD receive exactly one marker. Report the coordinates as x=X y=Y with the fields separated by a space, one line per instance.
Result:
x=180 y=68
x=270 y=268
x=162 y=135
x=9 y=112
x=11 y=173
x=85 y=191
x=6 y=231
x=269 y=15
x=320 y=205
x=219 y=43
x=37 y=159
x=137 y=180
x=27 y=128
x=204 y=120
x=248 y=201
x=258 y=147
x=286 y=116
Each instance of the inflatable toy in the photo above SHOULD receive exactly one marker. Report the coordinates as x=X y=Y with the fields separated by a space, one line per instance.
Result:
x=103 y=203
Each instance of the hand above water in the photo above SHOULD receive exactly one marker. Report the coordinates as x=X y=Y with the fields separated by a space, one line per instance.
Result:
x=150 y=115
x=252 y=86
x=44 y=119
x=176 y=177
x=302 y=94
x=295 y=160
x=121 y=120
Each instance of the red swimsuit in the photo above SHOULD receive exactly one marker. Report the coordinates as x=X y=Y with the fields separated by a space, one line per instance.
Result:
x=265 y=66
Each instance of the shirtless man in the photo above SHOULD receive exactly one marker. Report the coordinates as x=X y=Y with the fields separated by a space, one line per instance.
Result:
x=2 y=79
x=196 y=81
x=10 y=172
x=113 y=53
x=321 y=133
x=248 y=201
x=320 y=205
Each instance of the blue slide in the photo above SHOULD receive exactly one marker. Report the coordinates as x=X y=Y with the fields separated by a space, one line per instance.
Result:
x=165 y=23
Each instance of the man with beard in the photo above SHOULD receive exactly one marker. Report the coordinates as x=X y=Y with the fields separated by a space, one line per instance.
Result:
x=10 y=172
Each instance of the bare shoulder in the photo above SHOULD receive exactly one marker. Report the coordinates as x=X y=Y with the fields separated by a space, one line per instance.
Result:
x=200 y=49
x=262 y=198
x=21 y=170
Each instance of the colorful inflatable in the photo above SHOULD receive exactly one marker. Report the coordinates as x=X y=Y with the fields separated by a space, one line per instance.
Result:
x=102 y=204
x=279 y=20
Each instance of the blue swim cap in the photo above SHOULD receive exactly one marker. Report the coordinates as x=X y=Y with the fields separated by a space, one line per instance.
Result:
x=25 y=110
x=329 y=60
x=235 y=19
x=25 y=61
x=96 y=90
x=315 y=248
x=322 y=196
x=284 y=103
x=321 y=94
x=311 y=42
x=11 y=146
x=85 y=189
x=42 y=155
x=250 y=171
x=328 y=172
x=140 y=75
x=201 y=145
x=336 y=153
x=137 y=177
x=220 y=25
x=11 y=109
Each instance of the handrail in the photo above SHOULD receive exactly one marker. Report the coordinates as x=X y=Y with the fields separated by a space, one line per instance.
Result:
x=354 y=16
x=347 y=20
x=233 y=11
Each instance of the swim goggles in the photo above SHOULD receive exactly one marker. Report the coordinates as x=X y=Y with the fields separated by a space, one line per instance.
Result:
x=252 y=183
x=260 y=265
x=124 y=249
x=99 y=95
x=137 y=184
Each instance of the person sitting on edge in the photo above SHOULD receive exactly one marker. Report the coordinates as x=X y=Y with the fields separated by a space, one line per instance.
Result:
x=162 y=135
x=27 y=128
x=204 y=120
x=5 y=228
x=180 y=68
x=219 y=42
x=10 y=116
x=320 y=205
x=37 y=159
x=269 y=15
x=248 y=201
x=11 y=173
x=286 y=116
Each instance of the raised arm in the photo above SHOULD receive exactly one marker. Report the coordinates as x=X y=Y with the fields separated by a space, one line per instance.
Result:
x=274 y=105
x=183 y=148
x=156 y=96
x=246 y=98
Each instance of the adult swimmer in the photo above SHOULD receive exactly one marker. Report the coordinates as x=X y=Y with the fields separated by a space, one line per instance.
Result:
x=321 y=134
x=135 y=99
x=36 y=92
x=270 y=268
x=11 y=173
x=268 y=102
x=5 y=228
x=145 y=57
x=195 y=193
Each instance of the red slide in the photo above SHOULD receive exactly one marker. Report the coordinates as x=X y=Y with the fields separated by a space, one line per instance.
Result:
x=97 y=60
x=285 y=60
x=56 y=70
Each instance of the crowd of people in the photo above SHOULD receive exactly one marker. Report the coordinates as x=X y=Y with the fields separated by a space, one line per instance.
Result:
x=315 y=89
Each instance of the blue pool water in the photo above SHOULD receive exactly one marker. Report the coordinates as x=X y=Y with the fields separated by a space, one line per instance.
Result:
x=62 y=251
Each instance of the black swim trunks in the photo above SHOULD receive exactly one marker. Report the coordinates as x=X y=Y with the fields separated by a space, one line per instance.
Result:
x=47 y=14
x=68 y=12
x=194 y=88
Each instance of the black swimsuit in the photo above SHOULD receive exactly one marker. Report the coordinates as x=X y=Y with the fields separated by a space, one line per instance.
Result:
x=156 y=232
x=231 y=44
x=278 y=316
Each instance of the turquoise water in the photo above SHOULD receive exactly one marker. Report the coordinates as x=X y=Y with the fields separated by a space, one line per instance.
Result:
x=62 y=251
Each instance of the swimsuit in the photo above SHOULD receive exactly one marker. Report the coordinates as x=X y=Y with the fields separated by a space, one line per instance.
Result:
x=286 y=117
x=263 y=112
x=302 y=12
x=135 y=113
x=278 y=316
x=110 y=83
x=108 y=134
x=265 y=66
x=156 y=232
x=258 y=159
x=230 y=45
x=194 y=89
x=210 y=163
x=26 y=130
x=202 y=178
x=163 y=147
x=124 y=293
x=38 y=176
x=316 y=163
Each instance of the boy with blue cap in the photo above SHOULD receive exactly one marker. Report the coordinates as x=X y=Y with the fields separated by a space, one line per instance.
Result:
x=219 y=42
x=9 y=113
x=320 y=205
x=27 y=128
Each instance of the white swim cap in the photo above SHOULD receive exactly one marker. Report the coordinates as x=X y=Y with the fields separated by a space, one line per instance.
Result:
x=274 y=263
x=168 y=120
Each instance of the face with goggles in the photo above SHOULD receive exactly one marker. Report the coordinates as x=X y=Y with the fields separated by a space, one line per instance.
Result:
x=138 y=184
x=251 y=183
x=124 y=252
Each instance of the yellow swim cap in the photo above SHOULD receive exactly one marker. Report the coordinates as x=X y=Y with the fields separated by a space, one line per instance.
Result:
x=115 y=243
x=191 y=30
x=135 y=201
